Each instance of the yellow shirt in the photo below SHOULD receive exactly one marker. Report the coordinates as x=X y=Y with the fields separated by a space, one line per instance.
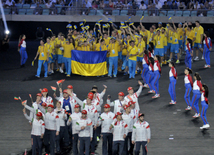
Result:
x=198 y=32
x=141 y=47
x=107 y=41
x=175 y=38
x=67 y=50
x=124 y=49
x=79 y=48
x=164 y=39
x=133 y=50
x=43 y=52
x=149 y=36
x=58 y=50
x=190 y=34
x=113 y=49
x=169 y=38
x=85 y=48
x=143 y=33
x=159 y=41
x=100 y=48
x=49 y=48
x=180 y=33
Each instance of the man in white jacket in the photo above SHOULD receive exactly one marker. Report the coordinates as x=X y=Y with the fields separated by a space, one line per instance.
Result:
x=73 y=119
x=141 y=134
x=134 y=96
x=84 y=127
x=106 y=118
x=119 y=103
x=120 y=131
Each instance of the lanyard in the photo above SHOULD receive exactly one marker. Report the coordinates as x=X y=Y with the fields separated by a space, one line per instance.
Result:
x=120 y=103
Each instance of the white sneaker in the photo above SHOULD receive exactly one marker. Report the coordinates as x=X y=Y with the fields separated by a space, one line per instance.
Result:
x=52 y=71
x=188 y=108
x=202 y=127
x=196 y=59
x=61 y=71
x=206 y=126
x=195 y=115
x=202 y=57
x=205 y=66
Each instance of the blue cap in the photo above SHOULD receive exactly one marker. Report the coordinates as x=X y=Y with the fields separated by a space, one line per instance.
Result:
x=160 y=23
x=180 y=23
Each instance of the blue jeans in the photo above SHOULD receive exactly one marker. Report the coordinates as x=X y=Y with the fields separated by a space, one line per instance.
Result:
x=45 y=64
x=74 y=144
x=171 y=89
x=23 y=55
x=84 y=145
x=49 y=141
x=206 y=54
x=107 y=141
x=204 y=111
x=113 y=61
x=132 y=67
x=144 y=147
x=144 y=74
x=155 y=82
x=62 y=138
x=195 y=99
x=37 y=145
x=125 y=62
x=116 y=145
x=67 y=62
x=187 y=94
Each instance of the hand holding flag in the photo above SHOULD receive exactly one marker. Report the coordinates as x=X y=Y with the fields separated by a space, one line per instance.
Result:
x=142 y=18
x=24 y=102
x=31 y=98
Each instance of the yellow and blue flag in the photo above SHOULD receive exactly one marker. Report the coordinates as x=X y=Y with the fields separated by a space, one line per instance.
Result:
x=131 y=23
x=122 y=23
x=75 y=27
x=142 y=18
x=48 y=29
x=170 y=17
x=81 y=23
x=89 y=63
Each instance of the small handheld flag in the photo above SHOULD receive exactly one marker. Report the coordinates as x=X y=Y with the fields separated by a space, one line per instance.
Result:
x=142 y=18
x=131 y=23
x=100 y=20
x=84 y=20
x=75 y=27
x=32 y=64
x=81 y=23
x=16 y=98
x=170 y=18
x=48 y=29
x=31 y=98
x=53 y=88
x=122 y=23
x=24 y=102
x=60 y=81
x=97 y=24
x=129 y=18
x=30 y=95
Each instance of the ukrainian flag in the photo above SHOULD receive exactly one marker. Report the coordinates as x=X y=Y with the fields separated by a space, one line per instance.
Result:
x=89 y=63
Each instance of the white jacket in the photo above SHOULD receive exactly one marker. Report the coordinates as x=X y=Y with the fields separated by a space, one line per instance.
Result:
x=118 y=105
x=62 y=116
x=51 y=119
x=38 y=126
x=87 y=123
x=135 y=112
x=106 y=119
x=119 y=129
x=74 y=117
x=47 y=100
x=141 y=131
x=71 y=100
x=129 y=119
x=91 y=110
x=134 y=97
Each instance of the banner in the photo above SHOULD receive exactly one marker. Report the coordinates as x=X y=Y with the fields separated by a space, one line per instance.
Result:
x=89 y=63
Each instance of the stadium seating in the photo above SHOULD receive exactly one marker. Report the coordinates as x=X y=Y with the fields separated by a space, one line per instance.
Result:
x=178 y=13
x=123 y=12
x=22 y=11
x=139 y=13
x=186 y=13
x=92 y=12
x=45 y=12
x=26 y=6
x=209 y=13
x=115 y=12
x=193 y=13
x=29 y=11
x=145 y=13
x=7 y=11
x=19 y=6
x=163 y=13
x=43 y=6
x=170 y=13
x=99 y=12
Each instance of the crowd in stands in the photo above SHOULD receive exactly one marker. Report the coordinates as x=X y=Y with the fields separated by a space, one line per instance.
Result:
x=85 y=6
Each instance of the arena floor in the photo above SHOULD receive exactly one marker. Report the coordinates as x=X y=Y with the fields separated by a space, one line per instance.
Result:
x=174 y=131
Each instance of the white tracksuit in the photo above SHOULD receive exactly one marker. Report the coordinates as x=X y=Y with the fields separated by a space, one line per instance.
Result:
x=74 y=117
x=134 y=97
x=119 y=129
x=135 y=112
x=62 y=116
x=88 y=131
x=47 y=100
x=129 y=119
x=141 y=131
x=106 y=119
x=118 y=105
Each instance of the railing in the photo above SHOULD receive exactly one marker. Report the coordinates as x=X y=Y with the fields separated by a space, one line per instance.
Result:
x=65 y=10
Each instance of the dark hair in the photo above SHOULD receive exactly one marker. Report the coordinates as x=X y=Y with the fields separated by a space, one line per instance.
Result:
x=197 y=76
x=206 y=90
x=102 y=40
x=137 y=31
x=190 y=41
x=95 y=87
x=92 y=91
x=150 y=49
x=197 y=21
x=131 y=41
x=159 y=59
x=42 y=40
x=53 y=35
x=152 y=45
x=146 y=52
x=142 y=2
x=72 y=41
x=63 y=35
x=151 y=60
x=207 y=33
x=172 y=63
x=20 y=37
x=189 y=70
x=190 y=26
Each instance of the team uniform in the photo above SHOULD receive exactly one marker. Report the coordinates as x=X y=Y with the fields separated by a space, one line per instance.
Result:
x=145 y=71
x=106 y=119
x=132 y=60
x=48 y=100
x=198 y=32
x=67 y=57
x=141 y=48
x=169 y=39
x=155 y=81
x=59 y=51
x=43 y=56
x=188 y=85
x=172 y=84
x=149 y=38
x=174 y=45
x=188 y=57
x=118 y=105
x=113 y=58
x=180 y=37
x=197 y=87
x=23 y=52
x=159 y=48
x=50 y=48
x=141 y=133
x=204 y=104
x=151 y=76
x=207 y=45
